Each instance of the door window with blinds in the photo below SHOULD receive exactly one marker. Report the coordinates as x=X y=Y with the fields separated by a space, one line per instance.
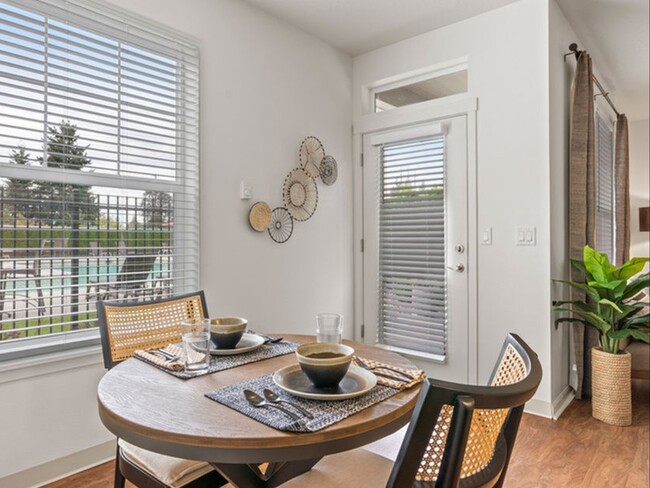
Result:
x=605 y=236
x=98 y=165
x=412 y=288
x=415 y=258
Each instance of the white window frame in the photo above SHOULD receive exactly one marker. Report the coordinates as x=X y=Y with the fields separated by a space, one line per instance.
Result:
x=185 y=214
x=411 y=77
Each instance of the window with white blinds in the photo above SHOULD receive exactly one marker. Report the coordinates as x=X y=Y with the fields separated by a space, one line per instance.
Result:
x=412 y=288
x=604 y=186
x=98 y=164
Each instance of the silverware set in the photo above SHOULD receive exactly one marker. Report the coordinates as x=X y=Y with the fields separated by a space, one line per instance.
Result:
x=271 y=399
x=267 y=339
x=167 y=356
x=404 y=377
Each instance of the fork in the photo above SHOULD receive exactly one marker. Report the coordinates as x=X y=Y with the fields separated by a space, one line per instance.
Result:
x=365 y=365
x=267 y=339
x=169 y=357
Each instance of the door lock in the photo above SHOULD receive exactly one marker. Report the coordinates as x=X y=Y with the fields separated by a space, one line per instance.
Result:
x=460 y=249
x=459 y=267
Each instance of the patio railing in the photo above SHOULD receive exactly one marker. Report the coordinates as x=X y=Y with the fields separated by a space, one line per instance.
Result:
x=51 y=275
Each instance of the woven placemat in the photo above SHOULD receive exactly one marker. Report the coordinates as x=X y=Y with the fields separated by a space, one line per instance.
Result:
x=325 y=412
x=220 y=363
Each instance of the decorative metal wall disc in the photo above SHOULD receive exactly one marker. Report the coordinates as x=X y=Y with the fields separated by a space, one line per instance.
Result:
x=328 y=170
x=259 y=216
x=281 y=226
x=312 y=153
x=300 y=194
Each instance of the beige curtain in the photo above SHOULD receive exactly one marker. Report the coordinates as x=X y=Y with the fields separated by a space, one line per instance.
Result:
x=582 y=203
x=622 y=190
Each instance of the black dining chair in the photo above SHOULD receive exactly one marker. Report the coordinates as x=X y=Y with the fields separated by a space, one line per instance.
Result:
x=125 y=328
x=459 y=435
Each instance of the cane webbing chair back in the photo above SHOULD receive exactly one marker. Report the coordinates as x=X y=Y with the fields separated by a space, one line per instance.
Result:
x=124 y=328
x=127 y=327
x=462 y=435
x=484 y=428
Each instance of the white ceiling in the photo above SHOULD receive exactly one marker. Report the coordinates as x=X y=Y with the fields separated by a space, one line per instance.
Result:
x=359 y=26
x=615 y=32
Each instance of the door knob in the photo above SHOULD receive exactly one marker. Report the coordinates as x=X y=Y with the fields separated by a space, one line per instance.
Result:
x=459 y=267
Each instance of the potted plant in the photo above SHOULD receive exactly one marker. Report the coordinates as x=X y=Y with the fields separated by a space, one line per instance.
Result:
x=609 y=308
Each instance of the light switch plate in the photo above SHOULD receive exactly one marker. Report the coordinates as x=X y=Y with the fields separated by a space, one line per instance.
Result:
x=245 y=190
x=526 y=236
x=486 y=236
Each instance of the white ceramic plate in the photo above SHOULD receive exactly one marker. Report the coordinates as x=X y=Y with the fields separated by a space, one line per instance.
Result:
x=248 y=342
x=356 y=382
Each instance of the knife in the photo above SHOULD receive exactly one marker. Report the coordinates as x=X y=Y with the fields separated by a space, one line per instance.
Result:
x=390 y=376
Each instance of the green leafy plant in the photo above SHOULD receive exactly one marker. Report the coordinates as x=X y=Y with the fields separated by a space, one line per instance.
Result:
x=608 y=306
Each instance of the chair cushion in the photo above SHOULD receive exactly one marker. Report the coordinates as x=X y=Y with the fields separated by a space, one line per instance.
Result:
x=358 y=467
x=172 y=471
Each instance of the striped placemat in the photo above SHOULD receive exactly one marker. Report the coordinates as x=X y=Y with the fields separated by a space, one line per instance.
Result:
x=325 y=412
x=220 y=363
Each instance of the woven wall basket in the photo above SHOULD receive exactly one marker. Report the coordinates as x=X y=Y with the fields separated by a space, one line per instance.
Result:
x=611 y=387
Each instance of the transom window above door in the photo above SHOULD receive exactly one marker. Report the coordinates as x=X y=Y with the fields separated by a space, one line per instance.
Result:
x=420 y=89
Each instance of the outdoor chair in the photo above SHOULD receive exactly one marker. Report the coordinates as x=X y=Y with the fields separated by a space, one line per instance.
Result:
x=55 y=247
x=131 y=280
x=125 y=328
x=459 y=435
x=17 y=265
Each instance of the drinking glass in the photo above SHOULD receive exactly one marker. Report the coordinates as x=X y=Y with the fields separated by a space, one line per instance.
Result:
x=329 y=327
x=196 y=344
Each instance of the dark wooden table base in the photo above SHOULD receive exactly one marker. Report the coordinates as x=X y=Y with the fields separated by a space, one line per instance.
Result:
x=250 y=475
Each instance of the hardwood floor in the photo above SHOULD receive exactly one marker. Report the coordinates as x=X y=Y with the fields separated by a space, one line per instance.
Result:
x=574 y=451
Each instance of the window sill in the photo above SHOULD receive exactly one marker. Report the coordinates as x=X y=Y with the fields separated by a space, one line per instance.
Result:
x=42 y=363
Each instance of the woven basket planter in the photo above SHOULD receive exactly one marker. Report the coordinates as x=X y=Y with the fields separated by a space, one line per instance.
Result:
x=611 y=387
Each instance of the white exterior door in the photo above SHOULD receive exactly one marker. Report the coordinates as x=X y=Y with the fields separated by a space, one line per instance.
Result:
x=415 y=285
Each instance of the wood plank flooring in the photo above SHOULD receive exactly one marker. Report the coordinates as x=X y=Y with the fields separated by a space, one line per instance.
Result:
x=574 y=451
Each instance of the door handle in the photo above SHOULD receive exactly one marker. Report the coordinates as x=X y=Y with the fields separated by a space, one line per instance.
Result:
x=459 y=267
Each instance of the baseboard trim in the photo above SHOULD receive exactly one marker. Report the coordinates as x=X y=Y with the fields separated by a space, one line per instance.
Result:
x=62 y=467
x=539 y=408
x=551 y=410
x=562 y=401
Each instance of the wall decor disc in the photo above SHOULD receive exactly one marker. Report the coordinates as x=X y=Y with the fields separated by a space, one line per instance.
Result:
x=300 y=194
x=281 y=226
x=328 y=170
x=259 y=216
x=312 y=153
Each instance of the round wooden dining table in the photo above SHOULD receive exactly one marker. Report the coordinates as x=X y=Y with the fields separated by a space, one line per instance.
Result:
x=159 y=412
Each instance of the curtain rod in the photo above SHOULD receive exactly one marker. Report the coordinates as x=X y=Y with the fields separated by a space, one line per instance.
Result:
x=574 y=50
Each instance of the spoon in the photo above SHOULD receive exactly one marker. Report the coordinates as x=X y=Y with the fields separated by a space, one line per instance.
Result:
x=257 y=401
x=273 y=397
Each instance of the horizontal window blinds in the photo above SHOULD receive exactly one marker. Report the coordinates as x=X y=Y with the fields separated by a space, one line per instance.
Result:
x=604 y=186
x=412 y=289
x=98 y=163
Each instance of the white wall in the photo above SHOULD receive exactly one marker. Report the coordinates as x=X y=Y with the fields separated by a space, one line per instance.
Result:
x=264 y=87
x=507 y=51
x=561 y=75
x=639 y=185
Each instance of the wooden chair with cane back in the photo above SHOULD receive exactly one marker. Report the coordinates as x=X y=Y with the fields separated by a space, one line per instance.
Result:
x=459 y=435
x=125 y=328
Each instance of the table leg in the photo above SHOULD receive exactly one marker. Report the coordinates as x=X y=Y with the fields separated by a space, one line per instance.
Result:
x=250 y=476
